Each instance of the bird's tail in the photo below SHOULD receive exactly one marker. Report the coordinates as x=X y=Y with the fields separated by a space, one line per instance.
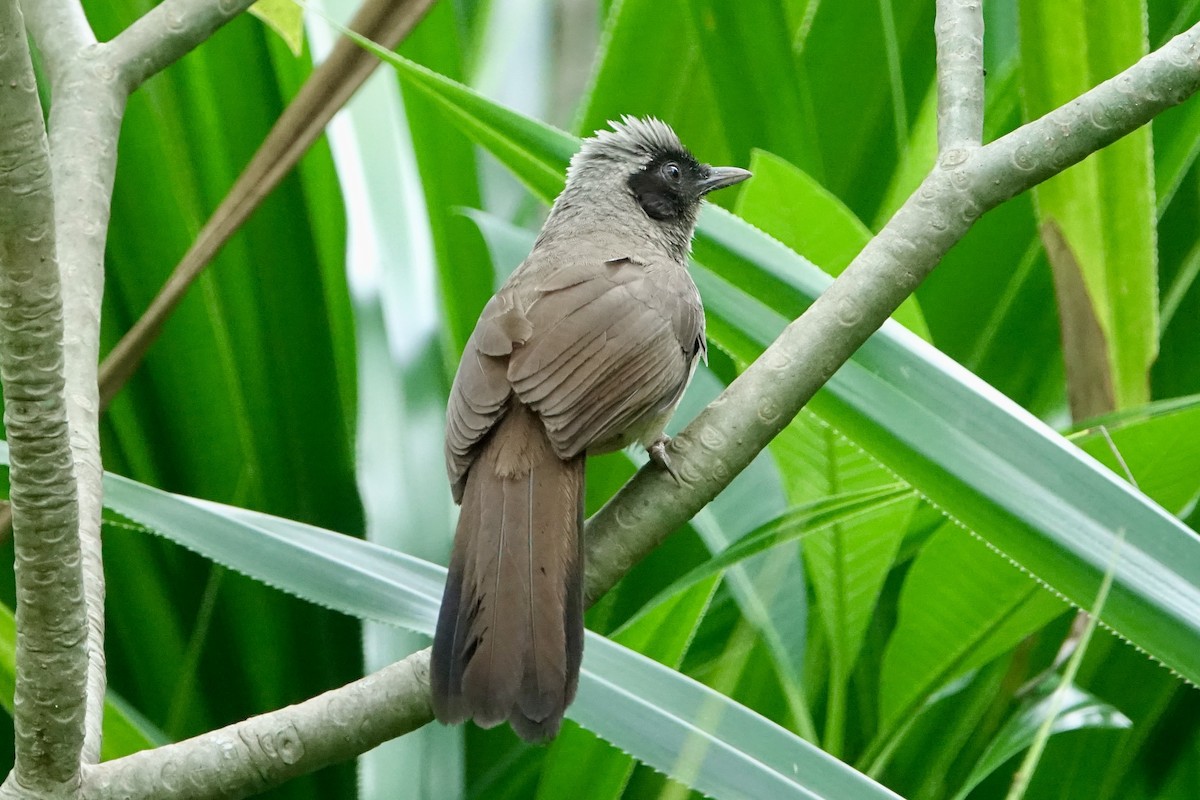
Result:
x=509 y=636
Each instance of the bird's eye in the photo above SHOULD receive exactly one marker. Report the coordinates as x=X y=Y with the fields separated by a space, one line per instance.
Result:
x=671 y=171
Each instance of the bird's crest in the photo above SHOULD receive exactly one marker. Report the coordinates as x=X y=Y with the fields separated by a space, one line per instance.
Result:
x=633 y=139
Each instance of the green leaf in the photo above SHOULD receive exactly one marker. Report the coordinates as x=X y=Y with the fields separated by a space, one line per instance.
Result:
x=643 y=72
x=1100 y=214
x=848 y=561
x=450 y=180
x=1060 y=696
x=953 y=619
x=1078 y=711
x=752 y=66
x=867 y=65
x=664 y=719
x=796 y=523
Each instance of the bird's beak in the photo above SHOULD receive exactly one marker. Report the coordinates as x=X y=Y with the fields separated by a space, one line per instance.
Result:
x=720 y=177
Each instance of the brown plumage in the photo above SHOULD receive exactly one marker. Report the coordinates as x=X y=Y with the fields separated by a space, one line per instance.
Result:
x=586 y=348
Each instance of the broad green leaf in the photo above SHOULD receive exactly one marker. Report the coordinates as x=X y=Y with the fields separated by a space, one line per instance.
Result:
x=796 y=523
x=1097 y=218
x=1176 y=133
x=994 y=467
x=953 y=618
x=867 y=65
x=940 y=744
x=917 y=159
x=1176 y=146
x=770 y=588
x=847 y=562
x=1061 y=695
x=1183 y=777
x=1079 y=711
x=664 y=719
x=1151 y=439
x=630 y=690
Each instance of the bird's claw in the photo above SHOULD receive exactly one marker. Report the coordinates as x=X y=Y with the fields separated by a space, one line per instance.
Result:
x=658 y=454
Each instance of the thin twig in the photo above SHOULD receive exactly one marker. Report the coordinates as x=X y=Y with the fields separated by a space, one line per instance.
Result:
x=326 y=91
x=959 y=31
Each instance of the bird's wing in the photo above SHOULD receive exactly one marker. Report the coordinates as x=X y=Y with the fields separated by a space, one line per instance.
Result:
x=610 y=344
x=481 y=389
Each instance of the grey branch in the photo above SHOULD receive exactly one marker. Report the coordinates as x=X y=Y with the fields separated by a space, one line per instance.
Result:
x=252 y=756
x=85 y=121
x=51 y=657
x=166 y=33
x=959 y=30
x=61 y=31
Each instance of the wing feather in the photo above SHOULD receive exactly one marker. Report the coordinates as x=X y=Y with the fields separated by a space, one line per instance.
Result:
x=630 y=367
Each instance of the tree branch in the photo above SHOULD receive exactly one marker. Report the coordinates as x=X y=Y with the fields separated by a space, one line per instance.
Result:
x=61 y=30
x=252 y=756
x=51 y=657
x=959 y=31
x=165 y=34
x=326 y=90
x=726 y=436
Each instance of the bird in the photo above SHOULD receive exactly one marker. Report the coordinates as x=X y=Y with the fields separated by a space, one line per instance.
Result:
x=586 y=348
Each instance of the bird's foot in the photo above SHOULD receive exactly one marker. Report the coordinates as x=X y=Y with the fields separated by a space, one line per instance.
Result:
x=658 y=454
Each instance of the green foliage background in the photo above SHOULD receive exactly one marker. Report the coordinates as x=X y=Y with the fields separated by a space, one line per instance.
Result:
x=894 y=639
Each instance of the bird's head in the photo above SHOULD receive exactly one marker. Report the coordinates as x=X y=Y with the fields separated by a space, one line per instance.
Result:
x=641 y=164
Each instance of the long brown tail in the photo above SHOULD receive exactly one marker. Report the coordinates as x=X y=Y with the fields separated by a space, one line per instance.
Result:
x=509 y=636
